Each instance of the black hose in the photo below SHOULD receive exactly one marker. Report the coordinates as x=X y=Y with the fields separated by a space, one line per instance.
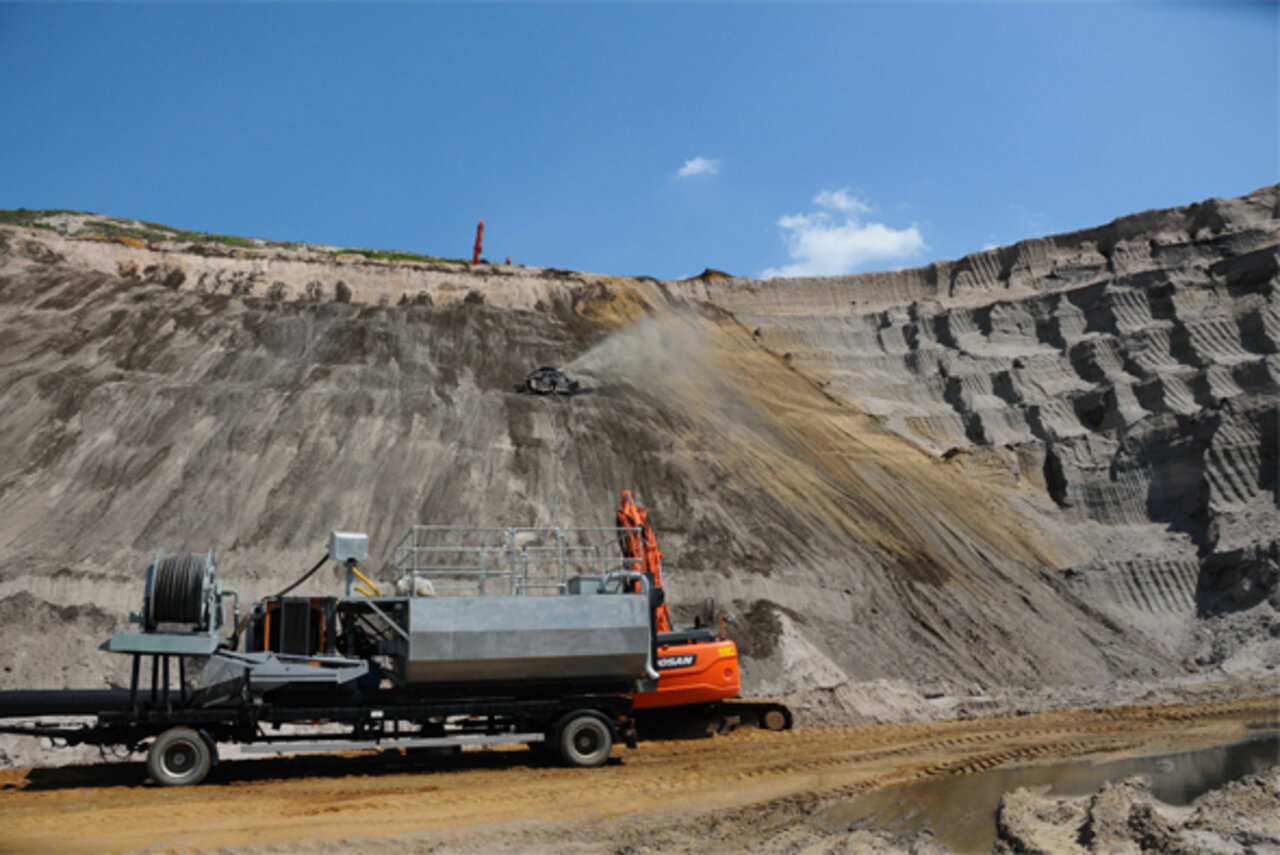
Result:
x=179 y=590
x=25 y=702
x=305 y=576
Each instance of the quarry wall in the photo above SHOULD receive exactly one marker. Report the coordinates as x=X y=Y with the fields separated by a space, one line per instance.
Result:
x=1049 y=464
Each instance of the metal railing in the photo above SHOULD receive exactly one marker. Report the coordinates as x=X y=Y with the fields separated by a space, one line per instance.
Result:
x=513 y=560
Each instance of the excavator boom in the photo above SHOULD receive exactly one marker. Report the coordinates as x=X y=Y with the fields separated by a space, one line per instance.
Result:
x=640 y=545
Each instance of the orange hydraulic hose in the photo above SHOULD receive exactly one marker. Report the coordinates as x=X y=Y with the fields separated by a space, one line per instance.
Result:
x=639 y=542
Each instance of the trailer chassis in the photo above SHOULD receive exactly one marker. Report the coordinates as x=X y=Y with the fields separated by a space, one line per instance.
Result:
x=579 y=728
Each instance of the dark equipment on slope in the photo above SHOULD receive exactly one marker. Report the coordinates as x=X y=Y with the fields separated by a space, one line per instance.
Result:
x=549 y=380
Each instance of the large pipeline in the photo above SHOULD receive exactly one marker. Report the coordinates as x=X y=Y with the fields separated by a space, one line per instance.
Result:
x=36 y=702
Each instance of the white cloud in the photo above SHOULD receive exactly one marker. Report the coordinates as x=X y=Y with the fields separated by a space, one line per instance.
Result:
x=842 y=200
x=699 y=166
x=837 y=240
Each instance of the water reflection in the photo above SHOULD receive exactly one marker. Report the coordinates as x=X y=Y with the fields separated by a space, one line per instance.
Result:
x=962 y=810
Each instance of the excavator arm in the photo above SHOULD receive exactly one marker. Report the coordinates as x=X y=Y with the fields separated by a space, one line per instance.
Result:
x=641 y=546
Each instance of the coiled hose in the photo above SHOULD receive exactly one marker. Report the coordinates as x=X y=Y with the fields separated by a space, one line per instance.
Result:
x=179 y=590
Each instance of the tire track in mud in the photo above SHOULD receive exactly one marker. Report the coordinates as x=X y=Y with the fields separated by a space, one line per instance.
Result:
x=750 y=781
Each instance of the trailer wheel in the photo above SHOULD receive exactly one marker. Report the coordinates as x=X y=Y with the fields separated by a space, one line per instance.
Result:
x=213 y=748
x=585 y=741
x=179 y=757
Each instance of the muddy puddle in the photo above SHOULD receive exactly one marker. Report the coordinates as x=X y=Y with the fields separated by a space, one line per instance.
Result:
x=962 y=810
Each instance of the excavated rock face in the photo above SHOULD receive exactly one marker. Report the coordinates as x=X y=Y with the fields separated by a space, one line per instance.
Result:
x=1130 y=372
x=972 y=475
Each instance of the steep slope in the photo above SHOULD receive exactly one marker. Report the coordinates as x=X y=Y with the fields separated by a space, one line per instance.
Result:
x=250 y=399
x=1130 y=371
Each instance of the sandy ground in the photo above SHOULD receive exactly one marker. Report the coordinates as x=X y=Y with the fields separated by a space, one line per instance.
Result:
x=750 y=790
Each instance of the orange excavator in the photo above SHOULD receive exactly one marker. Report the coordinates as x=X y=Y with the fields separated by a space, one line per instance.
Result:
x=699 y=683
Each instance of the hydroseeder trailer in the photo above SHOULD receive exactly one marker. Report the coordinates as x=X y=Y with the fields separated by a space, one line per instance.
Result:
x=554 y=637
x=305 y=674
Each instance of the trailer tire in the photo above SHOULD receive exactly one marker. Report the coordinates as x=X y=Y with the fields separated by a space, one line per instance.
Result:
x=213 y=748
x=179 y=757
x=585 y=741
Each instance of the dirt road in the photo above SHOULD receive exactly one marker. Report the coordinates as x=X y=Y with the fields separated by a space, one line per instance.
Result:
x=734 y=792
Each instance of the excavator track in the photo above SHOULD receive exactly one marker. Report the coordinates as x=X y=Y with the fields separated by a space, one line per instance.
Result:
x=704 y=720
x=746 y=712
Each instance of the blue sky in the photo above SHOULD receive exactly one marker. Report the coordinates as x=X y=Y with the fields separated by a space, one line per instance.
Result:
x=813 y=137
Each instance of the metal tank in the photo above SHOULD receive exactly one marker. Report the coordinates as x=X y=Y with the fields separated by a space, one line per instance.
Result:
x=569 y=638
x=520 y=605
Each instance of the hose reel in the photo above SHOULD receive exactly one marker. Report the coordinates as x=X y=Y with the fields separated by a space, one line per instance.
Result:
x=183 y=589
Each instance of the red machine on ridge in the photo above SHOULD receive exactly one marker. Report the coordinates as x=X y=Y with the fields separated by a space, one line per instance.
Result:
x=698 y=667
